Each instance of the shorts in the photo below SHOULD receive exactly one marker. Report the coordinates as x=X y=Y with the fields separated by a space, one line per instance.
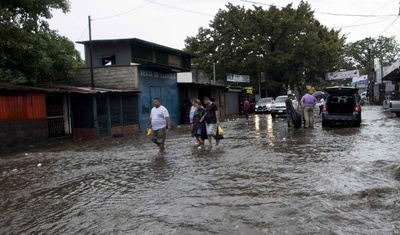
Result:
x=288 y=115
x=158 y=136
x=211 y=128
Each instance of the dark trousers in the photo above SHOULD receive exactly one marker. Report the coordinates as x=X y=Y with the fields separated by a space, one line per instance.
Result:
x=246 y=113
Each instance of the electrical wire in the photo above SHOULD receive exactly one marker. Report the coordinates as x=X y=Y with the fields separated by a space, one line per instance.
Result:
x=319 y=12
x=372 y=12
x=83 y=32
x=179 y=8
x=389 y=25
x=123 y=13
x=357 y=25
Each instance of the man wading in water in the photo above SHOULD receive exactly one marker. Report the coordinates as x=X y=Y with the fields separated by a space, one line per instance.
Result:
x=159 y=119
x=211 y=117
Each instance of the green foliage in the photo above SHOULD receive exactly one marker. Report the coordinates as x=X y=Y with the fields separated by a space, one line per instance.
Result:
x=289 y=45
x=356 y=56
x=31 y=52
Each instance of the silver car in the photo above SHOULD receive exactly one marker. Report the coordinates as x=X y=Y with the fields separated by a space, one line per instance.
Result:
x=264 y=105
x=279 y=107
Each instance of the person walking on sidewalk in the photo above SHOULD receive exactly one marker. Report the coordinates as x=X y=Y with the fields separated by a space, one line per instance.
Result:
x=158 y=121
x=211 y=117
x=308 y=103
x=246 y=108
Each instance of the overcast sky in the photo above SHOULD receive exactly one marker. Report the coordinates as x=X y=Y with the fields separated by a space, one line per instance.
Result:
x=169 y=22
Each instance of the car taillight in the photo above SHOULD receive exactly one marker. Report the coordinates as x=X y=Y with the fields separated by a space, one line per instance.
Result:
x=324 y=108
x=357 y=108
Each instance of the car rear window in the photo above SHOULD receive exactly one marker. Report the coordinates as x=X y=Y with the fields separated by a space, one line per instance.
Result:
x=341 y=99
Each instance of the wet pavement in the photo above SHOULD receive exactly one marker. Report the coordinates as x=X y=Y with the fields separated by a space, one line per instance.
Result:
x=263 y=178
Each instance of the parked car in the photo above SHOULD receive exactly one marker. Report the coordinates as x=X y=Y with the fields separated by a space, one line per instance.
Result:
x=279 y=106
x=392 y=103
x=264 y=105
x=342 y=106
x=363 y=95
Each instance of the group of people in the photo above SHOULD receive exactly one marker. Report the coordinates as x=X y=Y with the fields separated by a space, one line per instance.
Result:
x=204 y=122
x=306 y=107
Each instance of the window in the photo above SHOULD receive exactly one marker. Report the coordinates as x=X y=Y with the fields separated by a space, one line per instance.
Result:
x=107 y=61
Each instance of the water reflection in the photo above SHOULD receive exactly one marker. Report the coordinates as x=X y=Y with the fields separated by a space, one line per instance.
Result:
x=327 y=180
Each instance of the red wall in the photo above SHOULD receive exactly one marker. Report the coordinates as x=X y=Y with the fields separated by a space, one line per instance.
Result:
x=22 y=105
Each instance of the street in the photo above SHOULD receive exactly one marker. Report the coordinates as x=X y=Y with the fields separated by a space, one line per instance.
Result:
x=263 y=178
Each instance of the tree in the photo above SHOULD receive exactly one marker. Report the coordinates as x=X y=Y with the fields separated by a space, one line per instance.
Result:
x=289 y=45
x=356 y=55
x=30 y=51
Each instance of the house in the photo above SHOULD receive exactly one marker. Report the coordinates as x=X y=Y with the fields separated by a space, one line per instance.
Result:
x=196 y=85
x=31 y=115
x=136 y=64
x=390 y=77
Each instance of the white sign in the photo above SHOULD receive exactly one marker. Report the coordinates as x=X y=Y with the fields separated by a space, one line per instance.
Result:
x=185 y=77
x=359 y=80
x=237 y=78
x=342 y=75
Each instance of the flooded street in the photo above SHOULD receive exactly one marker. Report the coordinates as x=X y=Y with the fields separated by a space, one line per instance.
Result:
x=263 y=178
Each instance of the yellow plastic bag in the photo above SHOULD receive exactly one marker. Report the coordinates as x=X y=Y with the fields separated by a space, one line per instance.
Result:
x=148 y=131
x=220 y=131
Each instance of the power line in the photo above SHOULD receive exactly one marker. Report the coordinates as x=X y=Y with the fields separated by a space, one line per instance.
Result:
x=389 y=25
x=361 y=18
x=319 y=12
x=179 y=8
x=123 y=13
x=83 y=33
x=357 y=25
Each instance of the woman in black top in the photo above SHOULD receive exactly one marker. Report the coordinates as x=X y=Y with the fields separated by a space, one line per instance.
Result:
x=199 y=126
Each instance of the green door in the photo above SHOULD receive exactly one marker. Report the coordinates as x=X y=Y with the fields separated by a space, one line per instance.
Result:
x=103 y=116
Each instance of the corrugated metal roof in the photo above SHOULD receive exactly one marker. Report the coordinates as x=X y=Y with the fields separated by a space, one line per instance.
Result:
x=63 y=89
x=96 y=90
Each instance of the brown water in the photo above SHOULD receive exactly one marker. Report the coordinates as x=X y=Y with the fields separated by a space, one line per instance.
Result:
x=261 y=179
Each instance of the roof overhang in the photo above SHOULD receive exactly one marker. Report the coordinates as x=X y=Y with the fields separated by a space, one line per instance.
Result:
x=51 y=88
x=137 y=41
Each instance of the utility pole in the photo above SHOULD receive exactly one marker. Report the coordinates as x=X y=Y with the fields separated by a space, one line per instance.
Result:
x=370 y=76
x=91 y=53
x=214 y=74
x=259 y=82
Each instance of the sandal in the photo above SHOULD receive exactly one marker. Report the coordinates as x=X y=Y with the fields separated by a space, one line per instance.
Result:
x=200 y=145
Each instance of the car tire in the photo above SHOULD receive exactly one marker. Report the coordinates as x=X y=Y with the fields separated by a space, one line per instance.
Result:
x=397 y=114
x=324 y=123
x=357 y=124
x=273 y=115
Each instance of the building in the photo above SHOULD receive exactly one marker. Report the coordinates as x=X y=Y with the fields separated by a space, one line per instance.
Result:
x=196 y=85
x=140 y=65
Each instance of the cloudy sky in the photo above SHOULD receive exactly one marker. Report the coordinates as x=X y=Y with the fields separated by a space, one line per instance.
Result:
x=169 y=22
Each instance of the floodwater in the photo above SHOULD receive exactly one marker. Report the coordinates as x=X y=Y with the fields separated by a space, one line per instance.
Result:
x=263 y=178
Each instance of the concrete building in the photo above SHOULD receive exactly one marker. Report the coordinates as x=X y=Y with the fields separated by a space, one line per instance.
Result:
x=138 y=65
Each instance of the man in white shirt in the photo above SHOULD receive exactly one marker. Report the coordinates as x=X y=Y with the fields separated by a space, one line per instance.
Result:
x=159 y=120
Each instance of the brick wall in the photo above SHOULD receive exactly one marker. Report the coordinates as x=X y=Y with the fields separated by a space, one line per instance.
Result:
x=125 y=130
x=112 y=77
x=22 y=133
x=85 y=134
